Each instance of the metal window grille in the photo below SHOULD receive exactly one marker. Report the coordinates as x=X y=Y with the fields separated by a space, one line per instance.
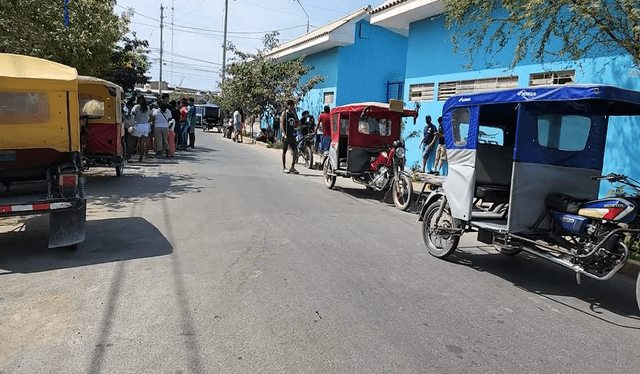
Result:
x=552 y=77
x=328 y=98
x=421 y=92
x=452 y=88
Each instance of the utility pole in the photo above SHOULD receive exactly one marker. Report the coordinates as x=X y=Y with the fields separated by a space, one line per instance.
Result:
x=172 y=15
x=224 y=42
x=305 y=13
x=161 y=26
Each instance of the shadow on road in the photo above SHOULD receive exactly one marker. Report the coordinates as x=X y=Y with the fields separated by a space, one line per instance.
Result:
x=548 y=280
x=108 y=240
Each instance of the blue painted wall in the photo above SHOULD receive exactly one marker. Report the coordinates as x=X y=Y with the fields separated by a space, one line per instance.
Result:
x=430 y=59
x=376 y=57
x=358 y=72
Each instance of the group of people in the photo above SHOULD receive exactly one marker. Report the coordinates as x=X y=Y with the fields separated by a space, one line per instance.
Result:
x=166 y=125
x=431 y=135
x=290 y=123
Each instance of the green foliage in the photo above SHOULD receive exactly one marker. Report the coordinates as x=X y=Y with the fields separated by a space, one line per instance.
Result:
x=584 y=27
x=36 y=28
x=129 y=63
x=275 y=145
x=260 y=85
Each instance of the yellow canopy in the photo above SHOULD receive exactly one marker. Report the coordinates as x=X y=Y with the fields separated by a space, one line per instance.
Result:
x=25 y=72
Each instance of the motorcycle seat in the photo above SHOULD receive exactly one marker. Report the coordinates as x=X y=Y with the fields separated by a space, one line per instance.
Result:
x=563 y=203
x=493 y=193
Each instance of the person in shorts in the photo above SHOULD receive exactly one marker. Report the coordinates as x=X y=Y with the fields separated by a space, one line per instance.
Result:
x=288 y=123
x=141 y=129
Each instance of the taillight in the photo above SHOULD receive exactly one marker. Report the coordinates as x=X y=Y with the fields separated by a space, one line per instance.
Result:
x=68 y=180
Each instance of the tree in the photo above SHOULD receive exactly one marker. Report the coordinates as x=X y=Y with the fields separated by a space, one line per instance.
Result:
x=37 y=28
x=583 y=28
x=129 y=63
x=260 y=85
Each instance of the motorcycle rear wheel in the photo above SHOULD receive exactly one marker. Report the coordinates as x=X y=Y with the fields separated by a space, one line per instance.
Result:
x=402 y=192
x=439 y=245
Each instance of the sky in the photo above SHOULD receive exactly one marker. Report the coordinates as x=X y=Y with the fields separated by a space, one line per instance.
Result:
x=192 y=53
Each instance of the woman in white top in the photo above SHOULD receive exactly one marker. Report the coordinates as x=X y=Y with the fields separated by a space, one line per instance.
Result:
x=160 y=118
x=141 y=128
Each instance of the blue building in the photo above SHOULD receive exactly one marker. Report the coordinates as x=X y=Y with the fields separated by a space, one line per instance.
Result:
x=360 y=62
x=434 y=73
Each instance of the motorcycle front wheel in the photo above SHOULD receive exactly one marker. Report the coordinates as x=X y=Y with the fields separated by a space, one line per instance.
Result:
x=439 y=243
x=402 y=192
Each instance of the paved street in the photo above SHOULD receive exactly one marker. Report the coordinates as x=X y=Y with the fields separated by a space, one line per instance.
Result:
x=217 y=262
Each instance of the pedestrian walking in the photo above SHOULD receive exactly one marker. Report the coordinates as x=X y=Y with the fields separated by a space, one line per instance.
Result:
x=427 y=143
x=141 y=128
x=288 y=123
x=191 y=119
x=324 y=120
x=160 y=119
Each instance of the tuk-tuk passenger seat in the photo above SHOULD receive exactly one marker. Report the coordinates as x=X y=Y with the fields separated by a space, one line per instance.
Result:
x=493 y=172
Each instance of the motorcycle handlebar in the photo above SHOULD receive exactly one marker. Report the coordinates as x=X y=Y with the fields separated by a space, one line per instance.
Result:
x=610 y=176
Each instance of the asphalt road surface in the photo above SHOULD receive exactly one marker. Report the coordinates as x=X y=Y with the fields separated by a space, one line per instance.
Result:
x=217 y=262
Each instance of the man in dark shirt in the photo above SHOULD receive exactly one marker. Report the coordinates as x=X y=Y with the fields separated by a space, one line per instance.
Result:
x=288 y=123
x=426 y=143
x=441 y=152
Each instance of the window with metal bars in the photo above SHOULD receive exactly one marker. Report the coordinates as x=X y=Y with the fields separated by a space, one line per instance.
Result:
x=452 y=88
x=421 y=92
x=552 y=77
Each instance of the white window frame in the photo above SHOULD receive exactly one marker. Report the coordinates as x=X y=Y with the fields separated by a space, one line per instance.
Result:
x=422 y=92
x=326 y=95
x=460 y=87
x=552 y=78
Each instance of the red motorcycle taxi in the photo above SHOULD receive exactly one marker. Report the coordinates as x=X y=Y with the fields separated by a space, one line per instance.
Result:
x=366 y=145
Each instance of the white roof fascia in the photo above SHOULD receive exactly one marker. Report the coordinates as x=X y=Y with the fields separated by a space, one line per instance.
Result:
x=342 y=36
x=397 y=17
x=321 y=39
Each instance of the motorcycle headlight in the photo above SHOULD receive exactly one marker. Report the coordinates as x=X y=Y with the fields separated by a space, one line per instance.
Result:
x=400 y=152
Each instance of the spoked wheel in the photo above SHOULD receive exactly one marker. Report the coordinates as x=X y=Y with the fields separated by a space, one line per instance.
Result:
x=402 y=192
x=437 y=239
x=308 y=158
x=328 y=179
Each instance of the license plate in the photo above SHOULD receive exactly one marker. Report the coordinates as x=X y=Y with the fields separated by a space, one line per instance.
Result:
x=7 y=156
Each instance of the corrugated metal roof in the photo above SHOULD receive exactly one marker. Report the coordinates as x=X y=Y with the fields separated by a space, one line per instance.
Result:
x=386 y=5
x=321 y=31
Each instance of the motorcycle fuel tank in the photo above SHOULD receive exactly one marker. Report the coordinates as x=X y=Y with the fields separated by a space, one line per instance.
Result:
x=570 y=222
x=615 y=209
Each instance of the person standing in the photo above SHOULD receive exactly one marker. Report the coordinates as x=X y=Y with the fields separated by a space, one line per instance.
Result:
x=184 y=125
x=160 y=118
x=288 y=123
x=237 y=125
x=141 y=128
x=129 y=123
x=173 y=123
x=441 y=152
x=191 y=118
x=324 y=121
x=427 y=143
